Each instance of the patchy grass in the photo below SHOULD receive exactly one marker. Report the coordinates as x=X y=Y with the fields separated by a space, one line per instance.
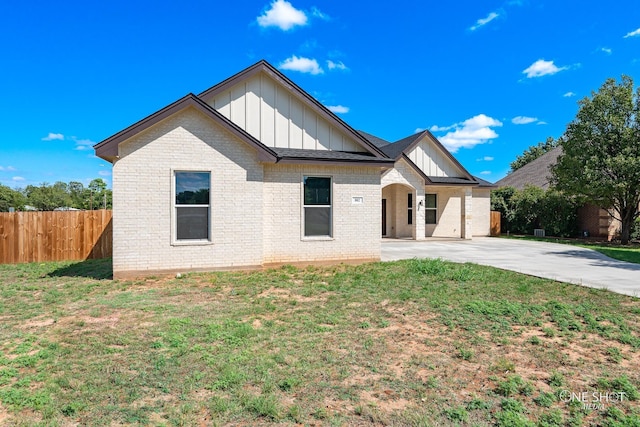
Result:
x=416 y=342
x=628 y=253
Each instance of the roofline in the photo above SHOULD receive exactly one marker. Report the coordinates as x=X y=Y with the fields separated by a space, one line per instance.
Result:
x=442 y=148
x=323 y=111
x=428 y=181
x=415 y=167
x=337 y=162
x=108 y=148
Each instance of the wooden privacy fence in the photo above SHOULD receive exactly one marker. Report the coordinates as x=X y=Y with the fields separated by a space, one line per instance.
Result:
x=55 y=236
x=495 y=223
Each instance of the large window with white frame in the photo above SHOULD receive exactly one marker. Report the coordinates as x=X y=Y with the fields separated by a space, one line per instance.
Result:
x=431 y=209
x=192 y=206
x=317 y=206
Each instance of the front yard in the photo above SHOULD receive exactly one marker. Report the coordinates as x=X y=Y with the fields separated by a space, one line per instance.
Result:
x=417 y=342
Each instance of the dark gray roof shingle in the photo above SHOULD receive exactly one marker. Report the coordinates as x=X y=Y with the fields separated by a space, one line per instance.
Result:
x=328 y=155
x=535 y=173
x=451 y=180
x=378 y=142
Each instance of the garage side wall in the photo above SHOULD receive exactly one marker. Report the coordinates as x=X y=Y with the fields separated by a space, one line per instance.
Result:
x=481 y=212
x=142 y=198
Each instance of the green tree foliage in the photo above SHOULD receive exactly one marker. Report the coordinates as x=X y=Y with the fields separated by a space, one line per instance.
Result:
x=10 y=199
x=46 y=197
x=533 y=152
x=525 y=210
x=601 y=152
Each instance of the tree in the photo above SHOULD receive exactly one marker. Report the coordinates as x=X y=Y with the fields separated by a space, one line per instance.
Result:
x=10 y=199
x=532 y=153
x=48 y=197
x=100 y=197
x=601 y=152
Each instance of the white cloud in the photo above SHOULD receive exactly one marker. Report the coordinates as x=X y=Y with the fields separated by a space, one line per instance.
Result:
x=283 y=15
x=18 y=178
x=523 y=120
x=542 y=68
x=569 y=94
x=484 y=21
x=7 y=168
x=301 y=64
x=53 y=137
x=542 y=123
x=104 y=173
x=339 y=109
x=83 y=144
x=633 y=33
x=436 y=128
x=485 y=159
x=318 y=14
x=469 y=133
x=606 y=50
x=485 y=173
x=339 y=65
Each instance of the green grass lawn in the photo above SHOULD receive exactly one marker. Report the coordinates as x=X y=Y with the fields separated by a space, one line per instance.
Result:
x=416 y=342
x=629 y=253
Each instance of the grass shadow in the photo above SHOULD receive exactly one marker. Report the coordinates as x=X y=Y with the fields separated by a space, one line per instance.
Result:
x=99 y=269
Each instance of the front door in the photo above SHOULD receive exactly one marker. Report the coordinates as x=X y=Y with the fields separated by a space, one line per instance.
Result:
x=384 y=217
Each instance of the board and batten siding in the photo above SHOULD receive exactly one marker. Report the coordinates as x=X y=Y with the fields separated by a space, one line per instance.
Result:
x=432 y=161
x=272 y=114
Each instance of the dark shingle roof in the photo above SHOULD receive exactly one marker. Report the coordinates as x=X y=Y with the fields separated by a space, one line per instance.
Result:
x=293 y=153
x=395 y=150
x=484 y=183
x=378 y=142
x=536 y=173
x=451 y=180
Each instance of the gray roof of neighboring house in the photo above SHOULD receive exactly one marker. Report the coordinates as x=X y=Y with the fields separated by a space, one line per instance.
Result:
x=535 y=173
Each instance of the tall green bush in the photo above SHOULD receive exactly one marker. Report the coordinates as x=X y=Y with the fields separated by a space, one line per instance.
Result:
x=531 y=208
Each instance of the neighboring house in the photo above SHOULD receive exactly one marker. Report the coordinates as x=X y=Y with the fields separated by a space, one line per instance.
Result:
x=254 y=171
x=592 y=219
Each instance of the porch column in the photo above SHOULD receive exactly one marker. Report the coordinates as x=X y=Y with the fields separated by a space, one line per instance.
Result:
x=420 y=205
x=467 y=213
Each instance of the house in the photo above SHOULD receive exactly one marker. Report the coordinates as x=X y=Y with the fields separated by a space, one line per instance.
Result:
x=594 y=220
x=254 y=171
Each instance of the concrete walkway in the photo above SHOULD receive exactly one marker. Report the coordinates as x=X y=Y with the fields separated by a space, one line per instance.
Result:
x=564 y=263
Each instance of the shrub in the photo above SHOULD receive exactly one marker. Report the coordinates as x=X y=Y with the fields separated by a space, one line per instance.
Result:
x=524 y=210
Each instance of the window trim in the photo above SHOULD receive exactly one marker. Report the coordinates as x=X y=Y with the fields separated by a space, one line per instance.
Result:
x=303 y=235
x=410 y=208
x=175 y=206
x=426 y=208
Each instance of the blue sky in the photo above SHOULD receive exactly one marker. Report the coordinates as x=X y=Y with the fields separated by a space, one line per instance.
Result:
x=488 y=78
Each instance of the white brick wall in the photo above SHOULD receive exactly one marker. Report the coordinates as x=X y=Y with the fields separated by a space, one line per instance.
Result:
x=142 y=207
x=396 y=195
x=256 y=208
x=356 y=228
x=450 y=204
x=481 y=212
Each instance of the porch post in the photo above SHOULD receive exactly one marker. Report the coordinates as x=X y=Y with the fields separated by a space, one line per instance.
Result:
x=467 y=213
x=419 y=225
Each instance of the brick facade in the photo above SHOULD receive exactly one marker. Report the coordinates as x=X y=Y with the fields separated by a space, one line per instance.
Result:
x=256 y=209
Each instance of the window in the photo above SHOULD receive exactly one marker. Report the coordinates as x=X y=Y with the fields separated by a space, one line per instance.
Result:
x=317 y=206
x=192 y=205
x=410 y=208
x=431 y=209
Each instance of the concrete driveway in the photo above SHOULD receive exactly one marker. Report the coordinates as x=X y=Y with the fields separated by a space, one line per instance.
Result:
x=564 y=263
